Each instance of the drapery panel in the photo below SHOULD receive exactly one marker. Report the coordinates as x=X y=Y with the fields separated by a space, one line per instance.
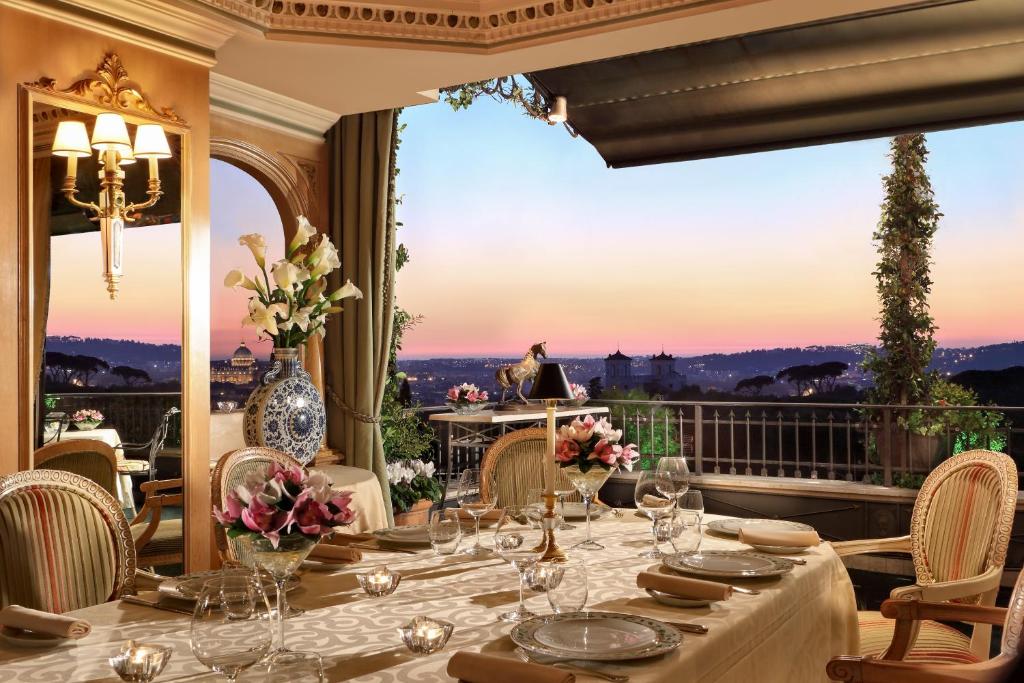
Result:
x=41 y=195
x=362 y=224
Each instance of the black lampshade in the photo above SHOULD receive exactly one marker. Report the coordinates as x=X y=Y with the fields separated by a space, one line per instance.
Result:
x=551 y=384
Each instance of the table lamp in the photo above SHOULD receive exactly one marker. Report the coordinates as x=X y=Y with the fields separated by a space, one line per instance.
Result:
x=551 y=386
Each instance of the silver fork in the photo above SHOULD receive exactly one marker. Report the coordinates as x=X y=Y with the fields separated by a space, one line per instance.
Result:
x=570 y=665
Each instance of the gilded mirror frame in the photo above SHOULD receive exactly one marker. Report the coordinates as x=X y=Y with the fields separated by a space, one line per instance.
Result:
x=107 y=89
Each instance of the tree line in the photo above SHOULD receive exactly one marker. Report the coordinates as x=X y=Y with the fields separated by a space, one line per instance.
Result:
x=66 y=368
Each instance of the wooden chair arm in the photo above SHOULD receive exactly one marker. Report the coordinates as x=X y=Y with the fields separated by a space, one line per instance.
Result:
x=951 y=590
x=154 y=505
x=858 y=670
x=160 y=485
x=916 y=610
x=899 y=544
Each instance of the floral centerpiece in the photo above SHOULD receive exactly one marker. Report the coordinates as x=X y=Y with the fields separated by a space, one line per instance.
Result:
x=466 y=398
x=289 y=305
x=86 y=418
x=414 y=490
x=580 y=395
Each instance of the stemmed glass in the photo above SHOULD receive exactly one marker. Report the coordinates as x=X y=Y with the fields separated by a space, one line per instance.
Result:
x=651 y=501
x=522 y=546
x=472 y=483
x=673 y=478
x=566 y=586
x=588 y=484
x=230 y=629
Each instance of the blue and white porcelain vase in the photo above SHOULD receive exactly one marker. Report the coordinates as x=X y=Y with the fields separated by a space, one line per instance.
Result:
x=286 y=411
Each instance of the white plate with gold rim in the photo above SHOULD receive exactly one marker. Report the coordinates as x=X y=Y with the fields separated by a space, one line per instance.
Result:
x=595 y=636
x=732 y=526
x=728 y=564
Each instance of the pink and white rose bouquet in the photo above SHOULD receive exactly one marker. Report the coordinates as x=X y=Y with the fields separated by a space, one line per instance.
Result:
x=580 y=395
x=285 y=501
x=590 y=442
x=463 y=395
x=86 y=417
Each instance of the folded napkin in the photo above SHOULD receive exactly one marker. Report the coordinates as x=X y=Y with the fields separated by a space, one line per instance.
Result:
x=649 y=501
x=792 y=539
x=334 y=554
x=25 y=619
x=346 y=539
x=683 y=587
x=471 y=667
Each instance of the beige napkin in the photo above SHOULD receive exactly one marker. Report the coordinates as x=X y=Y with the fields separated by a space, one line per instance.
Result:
x=649 y=501
x=346 y=539
x=334 y=554
x=791 y=539
x=25 y=619
x=471 y=667
x=680 y=586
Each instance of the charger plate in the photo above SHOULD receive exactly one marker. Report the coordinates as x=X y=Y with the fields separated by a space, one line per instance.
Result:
x=595 y=636
x=728 y=564
x=416 y=535
x=732 y=526
x=577 y=511
x=19 y=638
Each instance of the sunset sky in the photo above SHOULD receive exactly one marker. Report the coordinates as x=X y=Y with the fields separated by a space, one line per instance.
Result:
x=519 y=233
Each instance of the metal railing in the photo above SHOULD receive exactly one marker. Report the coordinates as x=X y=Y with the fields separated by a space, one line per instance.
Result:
x=135 y=415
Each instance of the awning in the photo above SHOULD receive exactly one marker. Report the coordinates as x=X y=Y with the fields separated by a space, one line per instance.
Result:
x=931 y=66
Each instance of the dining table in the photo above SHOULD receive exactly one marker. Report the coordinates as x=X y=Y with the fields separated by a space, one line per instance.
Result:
x=786 y=633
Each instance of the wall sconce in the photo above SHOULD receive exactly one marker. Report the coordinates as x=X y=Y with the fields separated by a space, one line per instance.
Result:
x=114 y=149
x=559 y=112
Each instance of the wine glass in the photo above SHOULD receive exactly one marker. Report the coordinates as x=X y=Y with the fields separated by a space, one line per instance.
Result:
x=673 y=477
x=472 y=483
x=445 y=532
x=651 y=501
x=522 y=546
x=280 y=562
x=566 y=586
x=587 y=484
x=230 y=629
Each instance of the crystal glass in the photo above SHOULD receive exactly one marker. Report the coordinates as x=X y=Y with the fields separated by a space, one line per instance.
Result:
x=567 y=586
x=649 y=500
x=686 y=533
x=472 y=483
x=587 y=484
x=693 y=500
x=522 y=546
x=562 y=494
x=281 y=562
x=673 y=477
x=444 y=531
x=537 y=508
x=424 y=635
x=140 y=662
x=230 y=629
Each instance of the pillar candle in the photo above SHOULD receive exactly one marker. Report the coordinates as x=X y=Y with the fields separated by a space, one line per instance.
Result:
x=549 y=463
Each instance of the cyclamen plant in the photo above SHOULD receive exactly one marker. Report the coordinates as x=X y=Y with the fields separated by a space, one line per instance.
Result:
x=590 y=442
x=466 y=394
x=87 y=415
x=296 y=306
x=285 y=501
x=579 y=393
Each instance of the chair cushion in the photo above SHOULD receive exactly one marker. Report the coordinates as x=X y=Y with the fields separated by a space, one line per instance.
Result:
x=167 y=540
x=937 y=643
x=132 y=466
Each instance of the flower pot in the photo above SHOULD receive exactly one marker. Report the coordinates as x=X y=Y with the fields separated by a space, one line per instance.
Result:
x=86 y=425
x=286 y=411
x=419 y=513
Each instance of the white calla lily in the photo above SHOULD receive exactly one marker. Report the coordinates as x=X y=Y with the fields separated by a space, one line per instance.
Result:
x=303 y=232
x=257 y=245
x=346 y=291
x=285 y=274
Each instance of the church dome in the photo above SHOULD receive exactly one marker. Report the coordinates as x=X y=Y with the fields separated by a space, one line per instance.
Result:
x=242 y=356
x=618 y=355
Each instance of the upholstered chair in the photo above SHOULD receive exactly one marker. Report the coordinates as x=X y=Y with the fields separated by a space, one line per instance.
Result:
x=93 y=460
x=959 y=532
x=159 y=539
x=229 y=473
x=517 y=462
x=73 y=545
x=968 y=668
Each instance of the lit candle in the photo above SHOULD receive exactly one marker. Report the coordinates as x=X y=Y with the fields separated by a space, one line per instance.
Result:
x=550 y=468
x=379 y=581
x=424 y=635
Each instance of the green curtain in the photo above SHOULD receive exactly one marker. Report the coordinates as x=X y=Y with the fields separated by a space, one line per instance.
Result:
x=362 y=224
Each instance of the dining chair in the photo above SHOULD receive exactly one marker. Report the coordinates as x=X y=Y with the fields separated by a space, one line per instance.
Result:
x=959 y=532
x=517 y=462
x=159 y=540
x=93 y=460
x=966 y=668
x=151 y=449
x=229 y=472
x=74 y=546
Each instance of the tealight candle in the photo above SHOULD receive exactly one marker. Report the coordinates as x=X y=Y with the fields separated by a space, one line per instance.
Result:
x=424 y=635
x=538 y=577
x=140 y=662
x=379 y=581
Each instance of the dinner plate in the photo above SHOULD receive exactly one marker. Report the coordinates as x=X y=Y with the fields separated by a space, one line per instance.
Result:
x=416 y=535
x=19 y=638
x=778 y=549
x=732 y=526
x=595 y=636
x=731 y=564
x=577 y=511
x=189 y=587
x=675 y=600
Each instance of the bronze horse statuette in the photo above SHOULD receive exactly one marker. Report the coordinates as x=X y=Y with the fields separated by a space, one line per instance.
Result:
x=517 y=373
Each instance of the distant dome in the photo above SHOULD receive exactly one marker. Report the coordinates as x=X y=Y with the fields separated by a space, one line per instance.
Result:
x=618 y=355
x=662 y=356
x=242 y=356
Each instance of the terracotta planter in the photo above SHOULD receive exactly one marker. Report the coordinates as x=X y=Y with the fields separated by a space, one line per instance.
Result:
x=419 y=513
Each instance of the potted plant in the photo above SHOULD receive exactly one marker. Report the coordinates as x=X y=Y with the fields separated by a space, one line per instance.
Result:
x=414 y=490
x=947 y=429
x=466 y=399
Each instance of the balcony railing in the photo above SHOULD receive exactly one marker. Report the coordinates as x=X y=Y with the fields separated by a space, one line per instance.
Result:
x=135 y=415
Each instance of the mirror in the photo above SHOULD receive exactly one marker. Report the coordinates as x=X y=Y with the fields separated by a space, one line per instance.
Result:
x=105 y=325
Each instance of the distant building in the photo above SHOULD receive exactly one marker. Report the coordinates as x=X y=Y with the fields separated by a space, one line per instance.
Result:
x=663 y=376
x=241 y=368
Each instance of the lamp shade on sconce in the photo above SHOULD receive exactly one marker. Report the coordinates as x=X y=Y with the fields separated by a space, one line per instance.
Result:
x=111 y=133
x=550 y=384
x=559 y=110
x=125 y=158
x=151 y=143
x=71 y=140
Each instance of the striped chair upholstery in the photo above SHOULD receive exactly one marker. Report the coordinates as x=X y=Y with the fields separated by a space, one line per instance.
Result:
x=93 y=460
x=937 y=643
x=74 y=546
x=229 y=473
x=517 y=461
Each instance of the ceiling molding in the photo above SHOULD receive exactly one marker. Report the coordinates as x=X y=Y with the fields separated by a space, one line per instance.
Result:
x=241 y=101
x=178 y=31
x=471 y=25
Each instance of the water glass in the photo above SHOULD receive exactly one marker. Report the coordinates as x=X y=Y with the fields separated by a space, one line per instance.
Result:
x=693 y=500
x=649 y=500
x=473 y=484
x=567 y=586
x=445 y=532
x=686 y=532
x=231 y=626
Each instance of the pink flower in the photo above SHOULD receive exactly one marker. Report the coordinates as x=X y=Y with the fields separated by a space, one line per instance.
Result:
x=292 y=474
x=566 y=450
x=483 y=395
x=604 y=452
x=453 y=394
x=342 y=502
x=583 y=429
x=311 y=517
x=232 y=511
x=264 y=519
x=472 y=396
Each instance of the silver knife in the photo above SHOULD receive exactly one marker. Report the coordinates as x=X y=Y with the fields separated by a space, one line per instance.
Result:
x=687 y=627
x=745 y=591
x=132 y=600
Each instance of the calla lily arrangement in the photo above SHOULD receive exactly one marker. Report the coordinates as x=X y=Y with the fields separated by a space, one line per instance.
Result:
x=589 y=442
x=285 y=501
x=294 y=306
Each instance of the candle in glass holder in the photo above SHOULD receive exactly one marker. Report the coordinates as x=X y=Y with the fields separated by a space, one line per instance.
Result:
x=140 y=662
x=424 y=635
x=379 y=581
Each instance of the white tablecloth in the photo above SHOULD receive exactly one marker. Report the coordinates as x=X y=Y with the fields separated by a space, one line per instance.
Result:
x=784 y=635
x=368 y=500
x=107 y=436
